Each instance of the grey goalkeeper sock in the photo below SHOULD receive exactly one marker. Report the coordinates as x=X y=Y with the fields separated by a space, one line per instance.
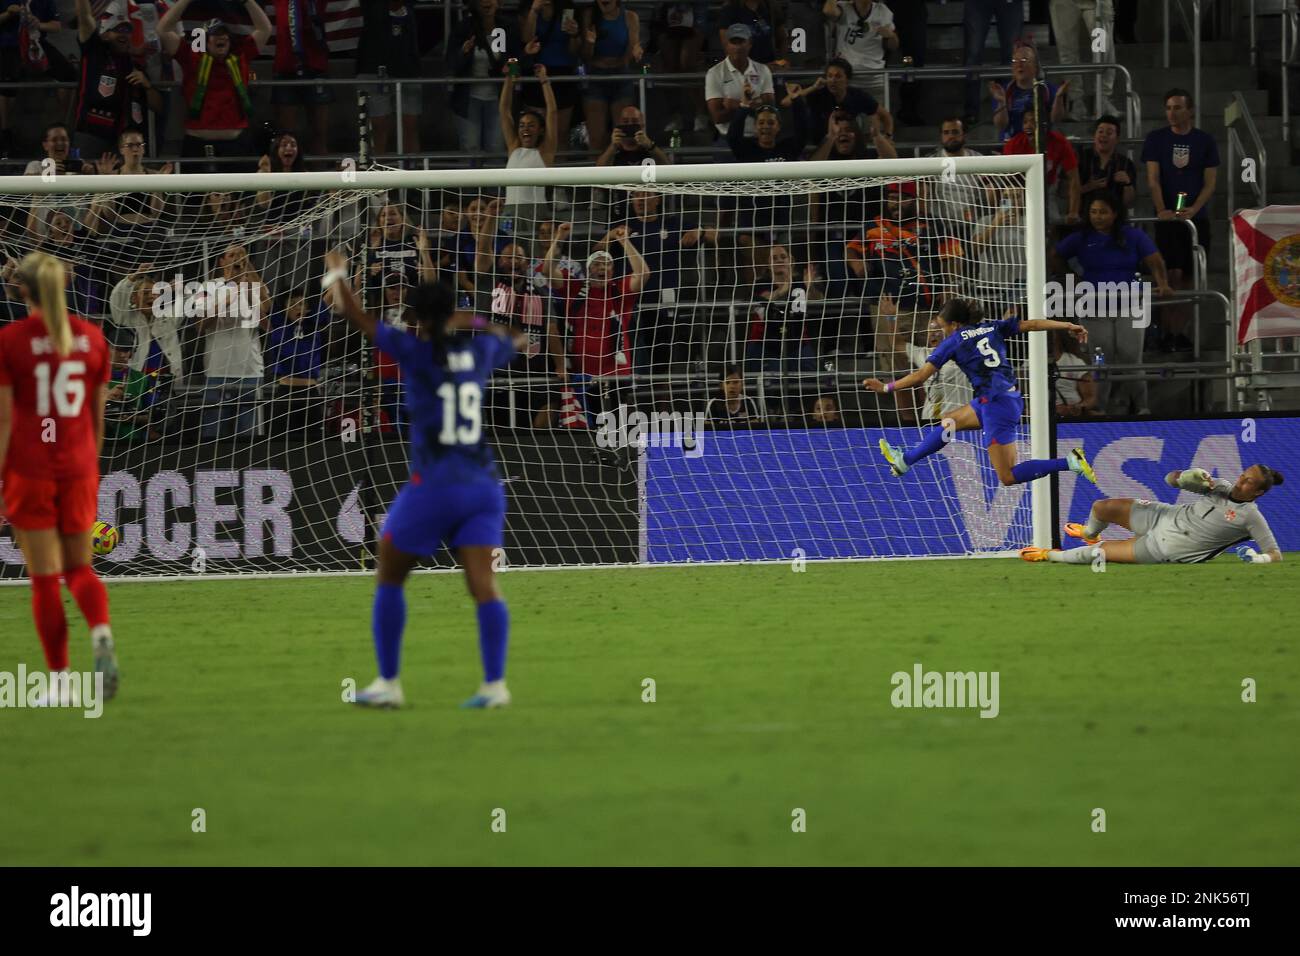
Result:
x=1082 y=555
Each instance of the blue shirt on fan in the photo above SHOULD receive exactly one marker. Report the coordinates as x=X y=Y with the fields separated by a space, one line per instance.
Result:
x=445 y=402
x=1102 y=258
x=981 y=352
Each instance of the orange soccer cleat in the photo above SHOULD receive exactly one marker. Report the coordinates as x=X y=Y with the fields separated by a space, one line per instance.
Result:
x=1075 y=530
x=1036 y=554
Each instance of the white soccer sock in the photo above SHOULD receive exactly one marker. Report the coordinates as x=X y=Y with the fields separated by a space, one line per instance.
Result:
x=101 y=630
x=1095 y=525
x=1072 y=556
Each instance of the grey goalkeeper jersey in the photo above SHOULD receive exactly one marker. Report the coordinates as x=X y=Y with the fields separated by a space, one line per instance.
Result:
x=1199 y=530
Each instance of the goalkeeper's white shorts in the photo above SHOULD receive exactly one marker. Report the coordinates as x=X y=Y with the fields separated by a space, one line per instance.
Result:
x=1152 y=522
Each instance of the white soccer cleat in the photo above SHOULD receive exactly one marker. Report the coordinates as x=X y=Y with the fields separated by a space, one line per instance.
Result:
x=490 y=695
x=385 y=694
x=106 y=664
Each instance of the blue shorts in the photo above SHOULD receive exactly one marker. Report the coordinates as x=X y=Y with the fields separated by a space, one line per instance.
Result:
x=1000 y=417
x=424 y=515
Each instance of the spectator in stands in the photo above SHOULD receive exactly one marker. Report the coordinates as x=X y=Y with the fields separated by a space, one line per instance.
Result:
x=599 y=312
x=301 y=53
x=680 y=29
x=565 y=264
x=611 y=43
x=949 y=389
x=958 y=199
x=725 y=83
x=62 y=236
x=734 y=409
x=37 y=17
x=659 y=340
x=283 y=156
x=504 y=292
x=130 y=392
x=778 y=341
x=531 y=144
x=1182 y=166
x=825 y=413
x=832 y=92
x=232 y=358
x=215 y=82
x=1015 y=97
x=57 y=143
x=769 y=37
x=295 y=344
x=976 y=17
x=767 y=145
x=477 y=49
x=844 y=140
x=863 y=31
x=1107 y=249
x=1103 y=166
x=390 y=41
x=130 y=214
x=1067 y=17
x=155 y=331
x=114 y=91
x=1076 y=392
x=998 y=244
x=629 y=145
x=1062 y=166
x=553 y=38
x=394 y=246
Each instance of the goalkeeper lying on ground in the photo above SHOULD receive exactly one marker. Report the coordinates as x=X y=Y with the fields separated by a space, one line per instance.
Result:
x=1179 y=534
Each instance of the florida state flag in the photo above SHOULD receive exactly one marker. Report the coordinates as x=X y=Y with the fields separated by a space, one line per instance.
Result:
x=1266 y=250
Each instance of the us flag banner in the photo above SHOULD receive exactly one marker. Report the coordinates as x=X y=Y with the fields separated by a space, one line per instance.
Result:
x=1266 y=253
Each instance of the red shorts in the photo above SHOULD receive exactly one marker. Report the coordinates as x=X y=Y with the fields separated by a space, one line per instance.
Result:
x=36 y=504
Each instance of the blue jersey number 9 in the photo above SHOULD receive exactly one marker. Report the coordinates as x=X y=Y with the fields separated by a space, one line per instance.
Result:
x=461 y=403
x=991 y=357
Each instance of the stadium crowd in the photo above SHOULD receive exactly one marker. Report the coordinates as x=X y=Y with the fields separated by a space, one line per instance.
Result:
x=623 y=293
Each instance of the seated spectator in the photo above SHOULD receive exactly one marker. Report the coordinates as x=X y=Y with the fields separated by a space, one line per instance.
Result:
x=736 y=79
x=832 y=93
x=550 y=32
x=778 y=343
x=154 y=330
x=680 y=28
x=1103 y=166
x=825 y=413
x=302 y=54
x=769 y=35
x=946 y=391
x=295 y=344
x=863 y=32
x=659 y=339
x=1014 y=99
x=1061 y=166
x=531 y=144
x=130 y=393
x=232 y=356
x=1109 y=250
x=1076 y=392
x=478 y=50
x=733 y=409
x=629 y=145
x=976 y=17
x=599 y=312
x=114 y=92
x=611 y=44
x=215 y=83
x=390 y=41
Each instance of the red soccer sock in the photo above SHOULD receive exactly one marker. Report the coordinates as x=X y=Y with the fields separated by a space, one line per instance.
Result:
x=90 y=594
x=51 y=625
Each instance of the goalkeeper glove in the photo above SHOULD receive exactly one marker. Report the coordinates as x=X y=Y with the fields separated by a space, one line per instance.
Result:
x=1191 y=479
x=1251 y=556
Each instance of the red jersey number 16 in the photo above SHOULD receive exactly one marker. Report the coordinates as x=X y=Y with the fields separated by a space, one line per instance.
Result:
x=68 y=391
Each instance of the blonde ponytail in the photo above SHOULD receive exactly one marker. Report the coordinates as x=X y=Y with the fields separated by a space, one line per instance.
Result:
x=45 y=280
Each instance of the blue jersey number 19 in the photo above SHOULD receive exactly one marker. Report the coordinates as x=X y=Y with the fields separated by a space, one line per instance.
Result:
x=991 y=358
x=465 y=398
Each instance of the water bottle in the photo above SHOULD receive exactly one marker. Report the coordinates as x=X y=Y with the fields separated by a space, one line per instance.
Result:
x=383 y=75
x=675 y=140
x=1098 y=364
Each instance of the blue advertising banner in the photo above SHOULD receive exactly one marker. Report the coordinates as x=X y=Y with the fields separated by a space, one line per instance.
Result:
x=776 y=495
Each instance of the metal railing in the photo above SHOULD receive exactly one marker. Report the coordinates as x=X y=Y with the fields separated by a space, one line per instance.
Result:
x=1238 y=113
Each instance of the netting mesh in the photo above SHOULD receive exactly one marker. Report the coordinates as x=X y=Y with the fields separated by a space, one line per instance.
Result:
x=691 y=390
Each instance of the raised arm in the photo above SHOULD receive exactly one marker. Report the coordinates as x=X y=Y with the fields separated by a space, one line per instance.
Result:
x=261 y=23
x=506 y=114
x=550 y=140
x=169 y=27
x=1051 y=325
x=338 y=292
x=640 y=270
x=86 y=25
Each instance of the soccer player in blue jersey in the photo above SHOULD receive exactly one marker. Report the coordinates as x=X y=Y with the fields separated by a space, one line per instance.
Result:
x=978 y=346
x=454 y=494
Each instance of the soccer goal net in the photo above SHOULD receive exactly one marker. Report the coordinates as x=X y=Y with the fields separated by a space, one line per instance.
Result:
x=691 y=390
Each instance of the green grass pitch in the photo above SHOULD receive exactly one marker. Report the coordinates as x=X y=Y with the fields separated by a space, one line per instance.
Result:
x=1120 y=691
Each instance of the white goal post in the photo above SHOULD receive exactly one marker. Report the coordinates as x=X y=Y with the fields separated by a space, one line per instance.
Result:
x=220 y=475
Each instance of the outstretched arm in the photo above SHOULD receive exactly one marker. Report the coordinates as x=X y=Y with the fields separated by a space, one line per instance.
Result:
x=1051 y=325
x=911 y=380
x=337 y=290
